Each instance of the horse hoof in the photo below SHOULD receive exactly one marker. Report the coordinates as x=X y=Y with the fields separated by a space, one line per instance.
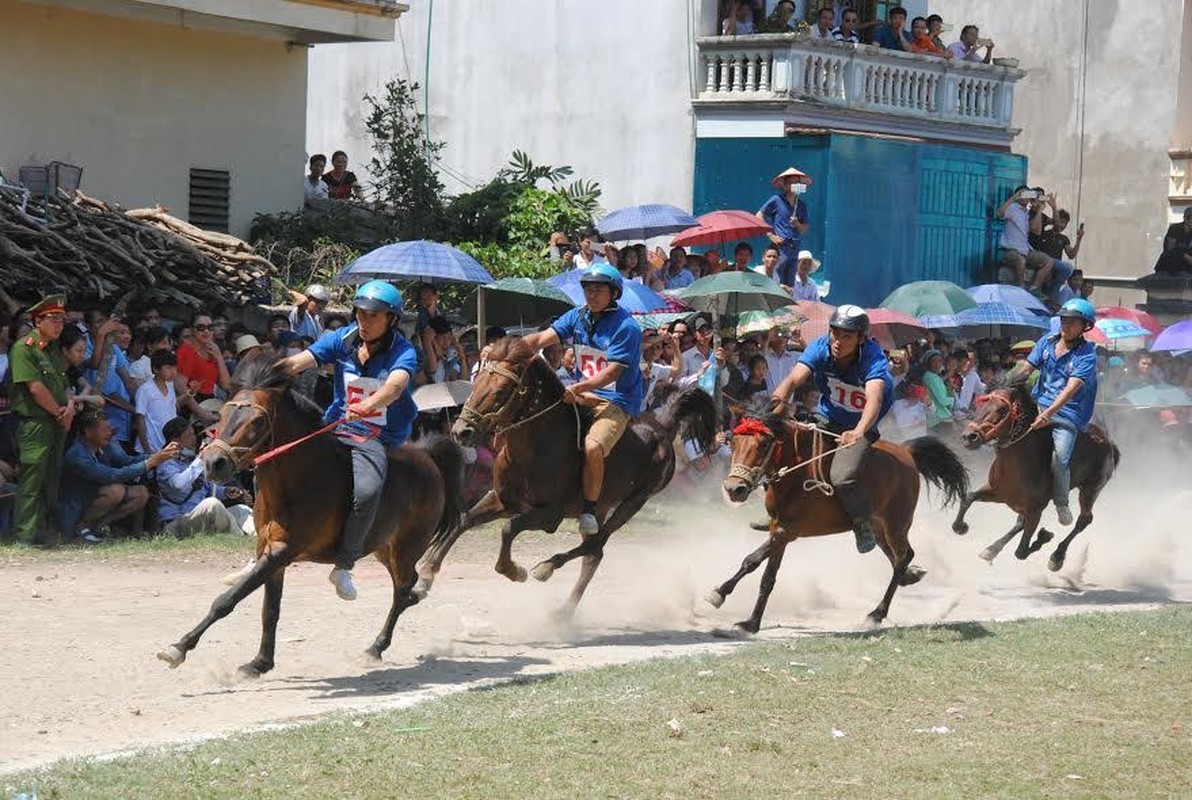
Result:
x=1041 y=538
x=736 y=632
x=542 y=571
x=960 y=528
x=914 y=573
x=748 y=626
x=518 y=574
x=1022 y=555
x=563 y=614
x=988 y=554
x=421 y=590
x=372 y=655
x=172 y=656
x=873 y=620
x=1055 y=564
x=252 y=670
x=714 y=598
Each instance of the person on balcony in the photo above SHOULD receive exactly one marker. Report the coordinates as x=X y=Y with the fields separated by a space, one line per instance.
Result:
x=824 y=24
x=739 y=21
x=893 y=35
x=847 y=32
x=970 y=42
x=1177 y=247
x=935 y=26
x=922 y=43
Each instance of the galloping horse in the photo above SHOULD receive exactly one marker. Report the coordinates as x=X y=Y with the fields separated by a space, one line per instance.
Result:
x=1020 y=475
x=302 y=499
x=536 y=477
x=792 y=459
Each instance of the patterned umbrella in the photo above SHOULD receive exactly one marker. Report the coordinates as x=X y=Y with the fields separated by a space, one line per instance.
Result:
x=1175 y=337
x=929 y=297
x=719 y=227
x=1140 y=318
x=815 y=316
x=1114 y=329
x=644 y=222
x=1008 y=294
x=762 y=321
x=415 y=261
x=658 y=319
x=1000 y=320
x=635 y=298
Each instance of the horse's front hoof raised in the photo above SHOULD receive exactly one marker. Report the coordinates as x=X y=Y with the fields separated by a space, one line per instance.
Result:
x=542 y=571
x=988 y=554
x=960 y=528
x=172 y=656
x=914 y=573
x=714 y=598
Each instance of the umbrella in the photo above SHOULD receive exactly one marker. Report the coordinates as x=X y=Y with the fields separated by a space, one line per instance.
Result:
x=1000 y=320
x=728 y=294
x=893 y=329
x=659 y=319
x=762 y=321
x=415 y=261
x=1140 y=318
x=1008 y=294
x=815 y=318
x=635 y=297
x=1094 y=334
x=522 y=300
x=1114 y=329
x=1158 y=396
x=719 y=227
x=644 y=222
x=929 y=297
x=939 y=322
x=1175 y=337
x=433 y=396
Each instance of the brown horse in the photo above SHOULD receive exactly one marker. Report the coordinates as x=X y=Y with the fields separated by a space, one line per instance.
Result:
x=792 y=459
x=302 y=500
x=1020 y=475
x=536 y=477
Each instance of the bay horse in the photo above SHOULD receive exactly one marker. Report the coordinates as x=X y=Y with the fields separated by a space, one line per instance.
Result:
x=518 y=398
x=791 y=459
x=1020 y=476
x=302 y=499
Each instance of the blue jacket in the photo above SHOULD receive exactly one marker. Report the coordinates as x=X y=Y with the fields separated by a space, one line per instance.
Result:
x=85 y=471
x=610 y=337
x=182 y=485
x=842 y=392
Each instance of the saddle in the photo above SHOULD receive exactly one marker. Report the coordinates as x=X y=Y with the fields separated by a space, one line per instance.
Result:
x=1096 y=434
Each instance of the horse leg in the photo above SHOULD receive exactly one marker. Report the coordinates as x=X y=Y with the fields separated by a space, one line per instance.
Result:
x=990 y=553
x=1088 y=496
x=270 y=612
x=486 y=509
x=277 y=558
x=982 y=495
x=543 y=570
x=537 y=518
x=752 y=561
x=898 y=549
x=403 y=575
x=591 y=561
x=769 y=578
x=1030 y=523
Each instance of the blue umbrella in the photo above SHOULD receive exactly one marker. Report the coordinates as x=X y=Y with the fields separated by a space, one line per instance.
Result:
x=939 y=322
x=635 y=298
x=415 y=261
x=1008 y=294
x=997 y=320
x=644 y=222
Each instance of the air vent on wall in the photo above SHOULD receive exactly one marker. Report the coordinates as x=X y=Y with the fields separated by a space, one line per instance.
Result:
x=209 y=191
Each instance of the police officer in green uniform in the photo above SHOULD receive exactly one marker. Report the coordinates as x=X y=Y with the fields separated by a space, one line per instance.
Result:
x=44 y=415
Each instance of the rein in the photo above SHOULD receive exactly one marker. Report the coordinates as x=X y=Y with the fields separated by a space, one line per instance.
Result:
x=492 y=419
x=1019 y=427
x=236 y=453
x=756 y=475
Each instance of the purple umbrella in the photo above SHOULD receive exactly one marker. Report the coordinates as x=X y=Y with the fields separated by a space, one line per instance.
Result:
x=1175 y=337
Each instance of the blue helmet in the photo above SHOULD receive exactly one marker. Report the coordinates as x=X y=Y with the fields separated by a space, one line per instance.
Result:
x=1080 y=308
x=604 y=273
x=378 y=296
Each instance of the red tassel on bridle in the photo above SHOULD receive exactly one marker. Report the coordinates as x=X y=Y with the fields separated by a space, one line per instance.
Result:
x=752 y=427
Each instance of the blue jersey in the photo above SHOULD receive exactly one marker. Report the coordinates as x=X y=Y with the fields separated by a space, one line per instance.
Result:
x=611 y=337
x=842 y=391
x=1054 y=372
x=354 y=381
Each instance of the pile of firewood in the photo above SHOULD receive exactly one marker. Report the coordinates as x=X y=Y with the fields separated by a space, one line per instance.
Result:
x=96 y=250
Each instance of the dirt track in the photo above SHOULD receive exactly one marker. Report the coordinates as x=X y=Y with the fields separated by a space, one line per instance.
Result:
x=81 y=676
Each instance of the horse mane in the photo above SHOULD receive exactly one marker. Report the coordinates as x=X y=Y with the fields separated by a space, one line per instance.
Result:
x=263 y=371
x=1019 y=393
x=513 y=349
x=776 y=423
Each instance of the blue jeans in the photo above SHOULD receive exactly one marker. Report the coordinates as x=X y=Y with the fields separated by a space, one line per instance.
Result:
x=788 y=263
x=1063 y=441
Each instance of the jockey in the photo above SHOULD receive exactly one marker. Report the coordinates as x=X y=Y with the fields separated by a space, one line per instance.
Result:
x=373 y=366
x=608 y=354
x=856 y=389
x=1065 y=391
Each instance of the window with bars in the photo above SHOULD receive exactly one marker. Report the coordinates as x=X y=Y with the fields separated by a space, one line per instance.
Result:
x=209 y=193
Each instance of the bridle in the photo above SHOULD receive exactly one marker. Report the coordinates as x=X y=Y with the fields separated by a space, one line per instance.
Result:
x=499 y=422
x=761 y=475
x=995 y=431
x=238 y=453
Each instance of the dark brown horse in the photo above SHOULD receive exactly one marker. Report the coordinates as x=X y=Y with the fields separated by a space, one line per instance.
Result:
x=536 y=477
x=302 y=498
x=1020 y=475
x=792 y=459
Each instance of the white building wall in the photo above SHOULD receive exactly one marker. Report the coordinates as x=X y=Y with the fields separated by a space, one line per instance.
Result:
x=137 y=104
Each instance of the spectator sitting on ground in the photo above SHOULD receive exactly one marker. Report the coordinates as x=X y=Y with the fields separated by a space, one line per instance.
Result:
x=1177 y=247
x=341 y=184
x=893 y=34
x=98 y=484
x=804 y=288
x=677 y=274
x=739 y=21
x=825 y=23
x=156 y=402
x=314 y=187
x=201 y=362
x=970 y=42
x=306 y=318
x=922 y=43
x=115 y=384
x=847 y=32
x=1016 y=251
x=190 y=504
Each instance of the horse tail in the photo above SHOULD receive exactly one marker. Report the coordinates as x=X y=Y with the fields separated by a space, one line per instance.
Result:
x=449 y=458
x=941 y=467
x=691 y=413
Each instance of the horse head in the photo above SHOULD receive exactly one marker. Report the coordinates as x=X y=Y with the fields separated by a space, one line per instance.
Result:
x=1001 y=414
x=754 y=445
x=246 y=422
x=499 y=392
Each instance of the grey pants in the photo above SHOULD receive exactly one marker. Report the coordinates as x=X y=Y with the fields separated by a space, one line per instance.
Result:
x=842 y=474
x=370 y=464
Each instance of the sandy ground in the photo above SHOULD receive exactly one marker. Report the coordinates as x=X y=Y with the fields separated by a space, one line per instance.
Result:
x=80 y=637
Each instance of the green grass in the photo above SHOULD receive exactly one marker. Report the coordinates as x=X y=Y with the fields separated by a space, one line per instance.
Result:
x=1085 y=706
x=130 y=549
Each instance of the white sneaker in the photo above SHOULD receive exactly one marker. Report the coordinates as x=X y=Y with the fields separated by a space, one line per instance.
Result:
x=342 y=579
x=1065 y=514
x=588 y=525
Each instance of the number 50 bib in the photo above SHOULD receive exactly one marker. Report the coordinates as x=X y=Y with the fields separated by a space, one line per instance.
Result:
x=846 y=395
x=590 y=361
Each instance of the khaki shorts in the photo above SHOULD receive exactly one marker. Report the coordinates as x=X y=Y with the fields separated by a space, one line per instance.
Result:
x=1030 y=263
x=609 y=422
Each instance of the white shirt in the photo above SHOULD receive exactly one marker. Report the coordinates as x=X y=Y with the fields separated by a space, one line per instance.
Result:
x=140 y=370
x=652 y=375
x=805 y=291
x=314 y=191
x=760 y=269
x=816 y=33
x=694 y=360
x=960 y=52
x=780 y=366
x=157 y=409
x=1015 y=234
x=969 y=388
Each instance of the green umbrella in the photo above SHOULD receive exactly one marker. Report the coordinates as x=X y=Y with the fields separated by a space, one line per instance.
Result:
x=520 y=301
x=659 y=319
x=1158 y=396
x=924 y=298
x=728 y=294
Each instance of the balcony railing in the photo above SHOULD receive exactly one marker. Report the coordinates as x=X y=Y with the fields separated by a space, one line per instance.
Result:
x=785 y=67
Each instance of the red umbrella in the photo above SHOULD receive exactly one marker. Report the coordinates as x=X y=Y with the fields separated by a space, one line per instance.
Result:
x=816 y=316
x=718 y=227
x=1141 y=318
x=894 y=329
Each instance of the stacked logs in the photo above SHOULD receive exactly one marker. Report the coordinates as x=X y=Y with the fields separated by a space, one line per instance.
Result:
x=97 y=250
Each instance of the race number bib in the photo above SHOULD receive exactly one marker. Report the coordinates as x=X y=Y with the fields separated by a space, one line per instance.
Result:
x=846 y=396
x=590 y=361
x=358 y=388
